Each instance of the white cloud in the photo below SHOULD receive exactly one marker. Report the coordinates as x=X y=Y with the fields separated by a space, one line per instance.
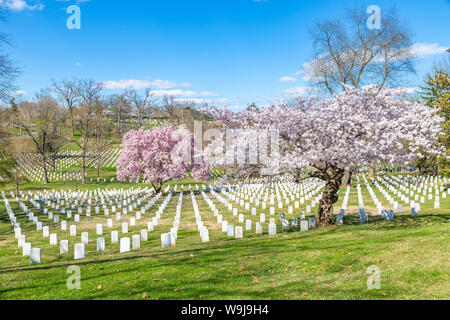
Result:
x=299 y=91
x=127 y=84
x=422 y=50
x=175 y=93
x=163 y=84
x=78 y=64
x=223 y=100
x=406 y=90
x=193 y=100
x=208 y=94
x=142 y=84
x=287 y=79
x=20 y=92
x=20 y=5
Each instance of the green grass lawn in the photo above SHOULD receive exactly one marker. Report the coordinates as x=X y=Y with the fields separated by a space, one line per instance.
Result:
x=412 y=254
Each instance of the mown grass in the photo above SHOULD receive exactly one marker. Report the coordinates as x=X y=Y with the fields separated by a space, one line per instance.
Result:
x=412 y=254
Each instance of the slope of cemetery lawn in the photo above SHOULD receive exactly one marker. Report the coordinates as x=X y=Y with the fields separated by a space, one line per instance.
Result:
x=412 y=254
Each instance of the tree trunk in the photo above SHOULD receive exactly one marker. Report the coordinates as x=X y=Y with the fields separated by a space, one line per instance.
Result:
x=84 y=169
x=71 y=123
x=348 y=178
x=372 y=171
x=17 y=187
x=329 y=197
x=44 y=166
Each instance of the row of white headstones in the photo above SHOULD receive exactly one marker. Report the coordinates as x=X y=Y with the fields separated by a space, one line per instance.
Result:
x=410 y=185
x=257 y=194
x=36 y=173
x=167 y=239
x=253 y=193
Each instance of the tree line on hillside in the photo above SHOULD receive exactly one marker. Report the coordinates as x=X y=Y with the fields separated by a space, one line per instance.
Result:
x=78 y=112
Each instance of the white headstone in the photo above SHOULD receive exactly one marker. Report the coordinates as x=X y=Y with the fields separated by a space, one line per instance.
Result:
x=230 y=230
x=272 y=229
x=238 y=233
x=101 y=244
x=144 y=235
x=248 y=225
x=46 y=232
x=79 y=251
x=304 y=225
x=204 y=234
x=35 y=255
x=85 y=237
x=262 y=218
x=64 y=246
x=124 y=244
x=259 y=228
x=21 y=241
x=136 y=242
x=73 y=230
x=224 y=226
x=99 y=229
x=26 y=249
x=54 y=239
x=114 y=236
x=165 y=240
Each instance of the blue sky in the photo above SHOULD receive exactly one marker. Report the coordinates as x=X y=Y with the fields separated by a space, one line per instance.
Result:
x=230 y=52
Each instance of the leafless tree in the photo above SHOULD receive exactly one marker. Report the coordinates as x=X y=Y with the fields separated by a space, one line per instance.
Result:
x=8 y=69
x=41 y=120
x=348 y=52
x=67 y=90
x=142 y=104
x=10 y=169
x=119 y=107
x=85 y=123
x=352 y=54
x=101 y=132
x=171 y=107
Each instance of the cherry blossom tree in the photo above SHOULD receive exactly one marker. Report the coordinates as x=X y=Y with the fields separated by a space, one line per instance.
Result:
x=159 y=155
x=357 y=127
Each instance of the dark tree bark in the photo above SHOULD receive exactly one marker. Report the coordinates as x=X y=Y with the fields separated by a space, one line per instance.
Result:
x=329 y=197
x=332 y=176
x=347 y=180
x=372 y=170
x=44 y=166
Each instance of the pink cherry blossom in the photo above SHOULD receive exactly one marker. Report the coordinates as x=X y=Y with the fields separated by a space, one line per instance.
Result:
x=159 y=155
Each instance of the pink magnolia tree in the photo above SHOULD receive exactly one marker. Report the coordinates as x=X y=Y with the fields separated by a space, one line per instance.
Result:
x=358 y=127
x=159 y=155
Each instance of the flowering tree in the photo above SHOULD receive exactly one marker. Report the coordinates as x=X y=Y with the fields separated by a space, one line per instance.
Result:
x=159 y=155
x=356 y=128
